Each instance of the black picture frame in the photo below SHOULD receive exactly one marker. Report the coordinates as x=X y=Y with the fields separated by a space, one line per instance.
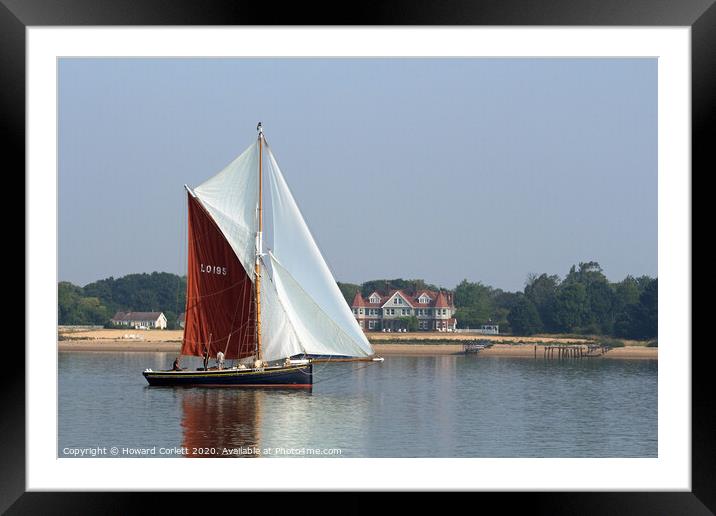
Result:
x=700 y=15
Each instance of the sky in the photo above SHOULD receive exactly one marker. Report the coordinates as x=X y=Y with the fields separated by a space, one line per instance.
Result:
x=442 y=169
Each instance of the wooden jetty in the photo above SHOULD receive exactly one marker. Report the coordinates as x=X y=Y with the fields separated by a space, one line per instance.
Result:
x=573 y=350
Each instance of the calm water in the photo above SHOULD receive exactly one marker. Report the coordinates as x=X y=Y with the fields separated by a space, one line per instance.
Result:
x=445 y=406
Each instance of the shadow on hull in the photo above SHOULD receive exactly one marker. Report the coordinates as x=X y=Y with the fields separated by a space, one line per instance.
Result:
x=285 y=377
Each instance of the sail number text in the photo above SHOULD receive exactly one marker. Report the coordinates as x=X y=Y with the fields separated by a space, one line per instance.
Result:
x=213 y=269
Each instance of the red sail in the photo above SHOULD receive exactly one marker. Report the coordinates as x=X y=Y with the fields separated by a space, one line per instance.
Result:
x=219 y=295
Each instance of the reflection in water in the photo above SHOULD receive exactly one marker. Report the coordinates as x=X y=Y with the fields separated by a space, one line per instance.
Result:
x=228 y=422
x=446 y=406
x=221 y=422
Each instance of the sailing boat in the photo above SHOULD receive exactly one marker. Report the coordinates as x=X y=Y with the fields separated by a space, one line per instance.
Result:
x=272 y=313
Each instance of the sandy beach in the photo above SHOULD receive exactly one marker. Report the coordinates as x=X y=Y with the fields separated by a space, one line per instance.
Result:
x=384 y=343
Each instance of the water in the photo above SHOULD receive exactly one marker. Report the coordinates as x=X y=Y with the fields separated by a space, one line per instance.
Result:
x=432 y=406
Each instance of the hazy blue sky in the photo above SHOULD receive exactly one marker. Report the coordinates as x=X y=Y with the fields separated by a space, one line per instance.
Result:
x=442 y=169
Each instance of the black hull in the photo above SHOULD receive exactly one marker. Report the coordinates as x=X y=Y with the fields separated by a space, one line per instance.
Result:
x=287 y=377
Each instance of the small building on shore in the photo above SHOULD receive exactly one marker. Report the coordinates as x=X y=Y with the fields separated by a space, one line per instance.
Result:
x=140 y=320
x=434 y=311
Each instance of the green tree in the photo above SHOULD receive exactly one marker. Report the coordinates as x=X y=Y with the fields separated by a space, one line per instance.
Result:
x=541 y=291
x=570 y=307
x=601 y=298
x=97 y=302
x=641 y=320
x=75 y=309
x=524 y=318
x=474 y=304
x=348 y=290
x=627 y=292
x=409 y=323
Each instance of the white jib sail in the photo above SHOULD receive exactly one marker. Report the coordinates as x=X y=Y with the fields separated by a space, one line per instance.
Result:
x=278 y=337
x=231 y=198
x=307 y=290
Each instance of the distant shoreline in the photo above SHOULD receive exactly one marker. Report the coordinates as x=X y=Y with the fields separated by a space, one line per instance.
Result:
x=416 y=344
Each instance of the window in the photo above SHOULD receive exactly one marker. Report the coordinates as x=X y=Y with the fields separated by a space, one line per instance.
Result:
x=374 y=299
x=371 y=325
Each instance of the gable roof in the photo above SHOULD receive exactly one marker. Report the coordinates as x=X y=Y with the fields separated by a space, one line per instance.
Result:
x=137 y=316
x=402 y=294
x=430 y=295
x=444 y=298
x=368 y=304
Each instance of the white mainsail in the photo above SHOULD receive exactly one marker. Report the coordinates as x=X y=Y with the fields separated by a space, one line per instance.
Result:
x=231 y=198
x=306 y=288
x=279 y=338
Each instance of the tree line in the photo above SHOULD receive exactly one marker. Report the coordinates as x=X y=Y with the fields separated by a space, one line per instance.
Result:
x=584 y=302
x=96 y=303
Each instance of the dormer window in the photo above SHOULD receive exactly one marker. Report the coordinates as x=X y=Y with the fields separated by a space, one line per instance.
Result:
x=423 y=299
x=374 y=299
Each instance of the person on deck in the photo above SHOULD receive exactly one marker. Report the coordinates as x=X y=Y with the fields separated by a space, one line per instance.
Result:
x=220 y=360
x=176 y=366
x=206 y=359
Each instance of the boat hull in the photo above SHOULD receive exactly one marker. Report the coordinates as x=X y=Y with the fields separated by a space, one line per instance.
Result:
x=286 y=377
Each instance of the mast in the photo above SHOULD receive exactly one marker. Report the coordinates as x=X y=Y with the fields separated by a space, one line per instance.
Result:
x=259 y=245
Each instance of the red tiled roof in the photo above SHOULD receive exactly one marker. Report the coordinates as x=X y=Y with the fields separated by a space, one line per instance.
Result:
x=441 y=302
x=358 y=301
x=437 y=299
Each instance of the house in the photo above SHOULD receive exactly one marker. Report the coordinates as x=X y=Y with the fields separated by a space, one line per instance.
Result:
x=434 y=310
x=140 y=320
